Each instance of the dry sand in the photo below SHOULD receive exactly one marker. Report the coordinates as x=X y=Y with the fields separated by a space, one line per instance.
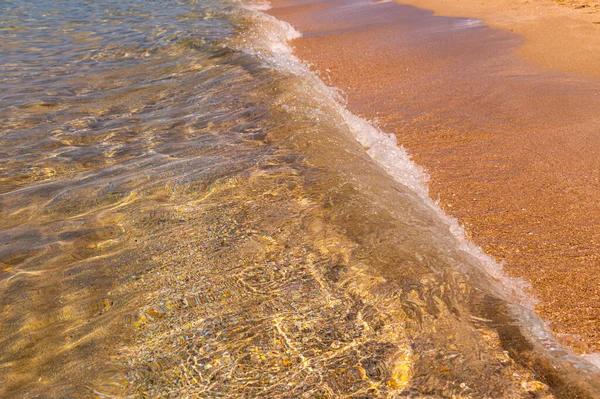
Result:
x=512 y=147
x=559 y=34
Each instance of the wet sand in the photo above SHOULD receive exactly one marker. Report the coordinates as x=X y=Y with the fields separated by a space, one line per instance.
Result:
x=511 y=146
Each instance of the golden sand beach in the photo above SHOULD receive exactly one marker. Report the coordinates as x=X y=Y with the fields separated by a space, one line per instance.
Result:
x=504 y=117
x=559 y=34
x=187 y=211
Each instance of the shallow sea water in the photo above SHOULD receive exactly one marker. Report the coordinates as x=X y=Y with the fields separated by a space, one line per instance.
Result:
x=185 y=211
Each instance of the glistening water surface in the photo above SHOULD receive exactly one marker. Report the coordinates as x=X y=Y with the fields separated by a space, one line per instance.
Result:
x=185 y=211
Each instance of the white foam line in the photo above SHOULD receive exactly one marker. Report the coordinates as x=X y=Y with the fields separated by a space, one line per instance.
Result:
x=382 y=147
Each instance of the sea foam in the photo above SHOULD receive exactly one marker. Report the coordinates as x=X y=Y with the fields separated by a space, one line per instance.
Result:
x=272 y=46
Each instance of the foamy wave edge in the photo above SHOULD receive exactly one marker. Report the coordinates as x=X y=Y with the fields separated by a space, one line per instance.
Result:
x=382 y=147
x=384 y=150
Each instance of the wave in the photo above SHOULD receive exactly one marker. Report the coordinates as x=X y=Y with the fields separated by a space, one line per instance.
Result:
x=270 y=41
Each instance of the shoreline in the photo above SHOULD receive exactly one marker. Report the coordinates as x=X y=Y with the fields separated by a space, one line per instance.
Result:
x=493 y=139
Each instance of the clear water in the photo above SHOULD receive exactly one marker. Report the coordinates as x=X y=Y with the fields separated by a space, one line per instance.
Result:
x=185 y=211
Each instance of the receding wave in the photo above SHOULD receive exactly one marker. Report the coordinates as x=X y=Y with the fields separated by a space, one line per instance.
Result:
x=187 y=211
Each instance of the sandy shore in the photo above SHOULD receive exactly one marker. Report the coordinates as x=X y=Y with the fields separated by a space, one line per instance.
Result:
x=559 y=34
x=512 y=146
